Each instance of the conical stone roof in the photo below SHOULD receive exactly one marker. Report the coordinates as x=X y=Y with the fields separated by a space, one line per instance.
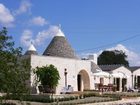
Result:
x=31 y=50
x=59 y=47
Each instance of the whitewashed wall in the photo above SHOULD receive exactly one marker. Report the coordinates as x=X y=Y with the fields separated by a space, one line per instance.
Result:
x=127 y=72
x=136 y=72
x=73 y=68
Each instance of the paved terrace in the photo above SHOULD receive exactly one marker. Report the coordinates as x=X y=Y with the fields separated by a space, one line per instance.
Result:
x=124 y=101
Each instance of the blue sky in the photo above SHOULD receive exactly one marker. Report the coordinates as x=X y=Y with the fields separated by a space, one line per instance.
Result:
x=87 y=24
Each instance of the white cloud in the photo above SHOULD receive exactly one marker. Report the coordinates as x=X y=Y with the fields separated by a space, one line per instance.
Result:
x=40 y=37
x=45 y=34
x=40 y=21
x=133 y=57
x=26 y=37
x=24 y=7
x=6 y=17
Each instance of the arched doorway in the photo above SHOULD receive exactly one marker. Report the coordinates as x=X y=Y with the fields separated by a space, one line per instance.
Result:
x=83 y=81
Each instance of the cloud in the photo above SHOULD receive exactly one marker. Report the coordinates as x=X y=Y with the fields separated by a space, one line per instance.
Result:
x=40 y=37
x=39 y=21
x=45 y=34
x=132 y=57
x=6 y=18
x=23 y=8
x=26 y=37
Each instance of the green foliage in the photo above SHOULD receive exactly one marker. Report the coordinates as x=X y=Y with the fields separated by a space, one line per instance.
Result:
x=48 y=76
x=87 y=97
x=8 y=104
x=113 y=57
x=43 y=98
x=14 y=69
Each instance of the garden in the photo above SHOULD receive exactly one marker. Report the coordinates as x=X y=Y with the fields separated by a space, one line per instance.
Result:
x=72 y=99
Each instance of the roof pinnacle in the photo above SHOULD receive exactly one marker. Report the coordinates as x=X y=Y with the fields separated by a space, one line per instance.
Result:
x=59 y=32
x=31 y=47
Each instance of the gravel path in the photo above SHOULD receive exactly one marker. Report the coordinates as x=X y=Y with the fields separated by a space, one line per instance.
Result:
x=128 y=101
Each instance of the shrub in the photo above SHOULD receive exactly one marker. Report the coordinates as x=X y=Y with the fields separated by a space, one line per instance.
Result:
x=8 y=104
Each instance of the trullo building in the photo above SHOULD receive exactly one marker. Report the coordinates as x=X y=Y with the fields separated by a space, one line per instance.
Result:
x=74 y=72
x=77 y=74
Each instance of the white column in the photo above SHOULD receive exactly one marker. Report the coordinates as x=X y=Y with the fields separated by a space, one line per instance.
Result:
x=121 y=84
x=132 y=79
x=82 y=83
x=137 y=81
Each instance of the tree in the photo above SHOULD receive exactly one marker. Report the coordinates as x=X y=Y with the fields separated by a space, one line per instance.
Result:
x=48 y=76
x=113 y=57
x=14 y=69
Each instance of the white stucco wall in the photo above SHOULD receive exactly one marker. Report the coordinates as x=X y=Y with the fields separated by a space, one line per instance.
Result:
x=105 y=80
x=136 y=72
x=73 y=67
x=127 y=72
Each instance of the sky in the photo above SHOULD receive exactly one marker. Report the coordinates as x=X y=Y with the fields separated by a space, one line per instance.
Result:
x=91 y=26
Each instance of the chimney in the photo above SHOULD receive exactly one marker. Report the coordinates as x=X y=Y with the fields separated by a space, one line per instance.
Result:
x=93 y=58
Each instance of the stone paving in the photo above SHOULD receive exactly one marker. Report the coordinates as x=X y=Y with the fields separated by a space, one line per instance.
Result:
x=128 y=101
